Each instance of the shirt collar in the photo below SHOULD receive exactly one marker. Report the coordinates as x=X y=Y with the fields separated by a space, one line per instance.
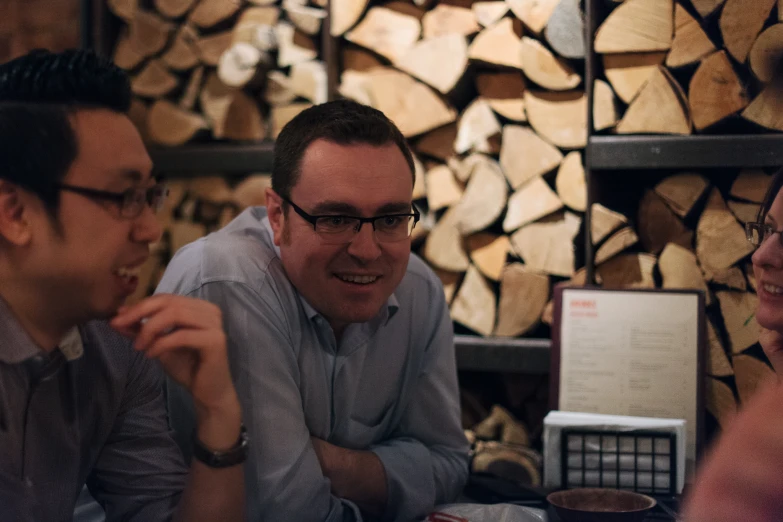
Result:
x=392 y=304
x=16 y=345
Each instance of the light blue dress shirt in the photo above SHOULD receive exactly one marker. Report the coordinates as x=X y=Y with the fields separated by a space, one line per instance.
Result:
x=389 y=386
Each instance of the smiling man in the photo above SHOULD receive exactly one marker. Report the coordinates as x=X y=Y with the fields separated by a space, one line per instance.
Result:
x=81 y=376
x=333 y=325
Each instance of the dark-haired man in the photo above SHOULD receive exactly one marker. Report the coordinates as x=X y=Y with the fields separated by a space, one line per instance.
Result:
x=81 y=399
x=334 y=326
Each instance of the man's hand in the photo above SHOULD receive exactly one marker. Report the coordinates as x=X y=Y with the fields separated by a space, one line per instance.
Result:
x=186 y=336
x=742 y=479
x=772 y=343
x=358 y=476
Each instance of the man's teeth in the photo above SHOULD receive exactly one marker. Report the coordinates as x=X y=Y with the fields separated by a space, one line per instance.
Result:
x=128 y=272
x=362 y=280
x=772 y=289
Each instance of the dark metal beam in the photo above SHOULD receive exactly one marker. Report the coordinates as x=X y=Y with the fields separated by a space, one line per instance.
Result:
x=225 y=159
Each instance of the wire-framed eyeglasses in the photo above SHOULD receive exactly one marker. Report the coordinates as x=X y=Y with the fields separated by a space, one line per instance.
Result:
x=338 y=229
x=131 y=202
x=757 y=233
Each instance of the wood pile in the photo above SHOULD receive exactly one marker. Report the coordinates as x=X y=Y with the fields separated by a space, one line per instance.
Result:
x=691 y=66
x=227 y=69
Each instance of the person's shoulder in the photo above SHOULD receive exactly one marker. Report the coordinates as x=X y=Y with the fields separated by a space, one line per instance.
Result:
x=420 y=281
x=108 y=353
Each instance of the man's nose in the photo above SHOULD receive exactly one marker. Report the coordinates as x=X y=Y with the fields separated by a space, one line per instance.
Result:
x=364 y=246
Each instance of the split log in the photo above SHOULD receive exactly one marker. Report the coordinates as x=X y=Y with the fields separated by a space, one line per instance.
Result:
x=767 y=108
x=513 y=110
x=239 y=64
x=524 y=155
x=293 y=46
x=628 y=271
x=278 y=89
x=355 y=86
x=751 y=275
x=739 y=315
x=419 y=184
x=282 y=114
x=309 y=80
x=251 y=192
x=183 y=53
x=149 y=33
x=343 y=15
x=565 y=30
x=720 y=401
x=439 y=143
x=512 y=464
x=474 y=305
x=497 y=45
x=744 y=212
x=706 y=7
x=231 y=112
x=411 y=105
x=504 y=92
x=750 y=373
x=766 y=53
x=448 y=20
x=185 y=232
x=715 y=91
x=544 y=68
x=484 y=199
x=213 y=189
x=450 y=281
x=463 y=168
x=732 y=278
x=212 y=47
x=690 y=43
x=173 y=8
x=488 y=253
x=680 y=270
x=740 y=24
x=190 y=96
x=256 y=26
x=438 y=61
x=125 y=9
x=357 y=59
x=386 y=32
x=751 y=185
x=660 y=107
x=442 y=189
x=658 y=226
x=125 y=54
x=617 y=242
x=406 y=8
x=570 y=183
x=604 y=221
x=605 y=115
x=319 y=3
x=548 y=245
x=443 y=246
x=718 y=364
x=501 y=426
x=488 y=13
x=170 y=125
x=523 y=296
x=720 y=240
x=559 y=117
x=477 y=126
x=629 y=72
x=306 y=19
x=682 y=191
x=637 y=26
x=534 y=13
x=209 y=13
x=154 y=80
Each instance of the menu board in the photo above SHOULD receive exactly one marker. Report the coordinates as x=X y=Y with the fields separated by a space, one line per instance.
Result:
x=631 y=352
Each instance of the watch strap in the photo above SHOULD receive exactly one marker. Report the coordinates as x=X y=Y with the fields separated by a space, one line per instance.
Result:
x=222 y=459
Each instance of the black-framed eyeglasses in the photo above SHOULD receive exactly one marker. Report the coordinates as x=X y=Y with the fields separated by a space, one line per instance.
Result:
x=337 y=229
x=757 y=233
x=131 y=202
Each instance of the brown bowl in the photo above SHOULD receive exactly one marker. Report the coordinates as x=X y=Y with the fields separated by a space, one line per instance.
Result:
x=600 y=505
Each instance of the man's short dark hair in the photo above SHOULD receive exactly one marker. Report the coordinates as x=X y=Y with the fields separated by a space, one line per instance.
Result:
x=38 y=93
x=344 y=122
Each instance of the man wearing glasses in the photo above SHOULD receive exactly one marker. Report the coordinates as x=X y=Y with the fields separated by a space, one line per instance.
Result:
x=336 y=328
x=81 y=375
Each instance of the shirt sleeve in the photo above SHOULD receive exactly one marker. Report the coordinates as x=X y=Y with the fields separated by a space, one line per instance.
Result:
x=139 y=475
x=283 y=480
x=426 y=459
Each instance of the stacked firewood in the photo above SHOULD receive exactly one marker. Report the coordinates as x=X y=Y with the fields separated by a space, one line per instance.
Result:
x=685 y=66
x=231 y=69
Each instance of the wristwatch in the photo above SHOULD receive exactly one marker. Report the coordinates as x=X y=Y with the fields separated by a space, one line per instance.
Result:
x=222 y=459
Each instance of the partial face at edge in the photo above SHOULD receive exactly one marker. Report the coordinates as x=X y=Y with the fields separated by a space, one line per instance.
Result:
x=361 y=180
x=768 y=269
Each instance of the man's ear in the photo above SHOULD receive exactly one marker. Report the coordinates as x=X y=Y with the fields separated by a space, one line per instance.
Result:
x=274 y=209
x=15 y=227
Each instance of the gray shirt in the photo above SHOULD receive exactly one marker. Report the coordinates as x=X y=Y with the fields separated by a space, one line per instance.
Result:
x=389 y=386
x=90 y=411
